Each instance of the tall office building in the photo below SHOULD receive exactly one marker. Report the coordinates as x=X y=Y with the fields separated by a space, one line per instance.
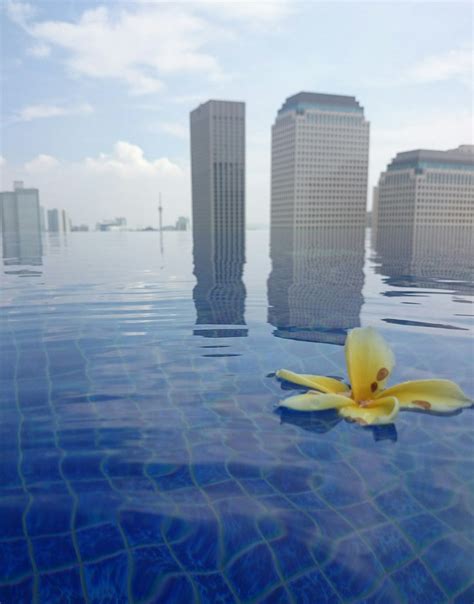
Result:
x=218 y=198
x=426 y=202
x=320 y=154
x=320 y=146
x=21 y=225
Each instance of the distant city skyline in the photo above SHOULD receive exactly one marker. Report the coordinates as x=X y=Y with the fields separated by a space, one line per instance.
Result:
x=113 y=133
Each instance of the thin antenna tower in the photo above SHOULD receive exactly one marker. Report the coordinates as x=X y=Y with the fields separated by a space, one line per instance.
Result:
x=160 y=212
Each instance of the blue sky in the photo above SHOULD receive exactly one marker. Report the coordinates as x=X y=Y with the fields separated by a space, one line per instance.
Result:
x=97 y=95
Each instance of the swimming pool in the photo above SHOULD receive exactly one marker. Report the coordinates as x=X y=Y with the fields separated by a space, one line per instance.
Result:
x=142 y=456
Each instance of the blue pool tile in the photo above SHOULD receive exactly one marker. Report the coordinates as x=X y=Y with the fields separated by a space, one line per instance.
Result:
x=256 y=486
x=271 y=527
x=210 y=473
x=278 y=596
x=45 y=467
x=389 y=545
x=62 y=586
x=422 y=529
x=238 y=522
x=253 y=572
x=387 y=593
x=331 y=523
x=363 y=515
x=83 y=466
x=466 y=597
x=151 y=565
x=97 y=507
x=9 y=476
x=17 y=593
x=417 y=585
x=212 y=589
x=176 y=478
x=244 y=470
x=354 y=570
x=311 y=588
x=229 y=489
x=49 y=515
x=309 y=500
x=199 y=550
x=451 y=561
x=54 y=551
x=98 y=541
x=175 y=590
x=142 y=528
x=11 y=516
x=106 y=581
x=398 y=503
x=289 y=479
x=14 y=560
x=458 y=516
x=292 y=555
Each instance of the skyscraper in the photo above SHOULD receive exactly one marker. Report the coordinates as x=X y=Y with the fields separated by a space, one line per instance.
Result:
x=21 y=225
x=320 y=153
x=426 y=202
x=218 y=197
x=320 y=145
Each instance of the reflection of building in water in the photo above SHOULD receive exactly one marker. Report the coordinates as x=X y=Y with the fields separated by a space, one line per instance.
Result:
x=320 y=152
x=21 y=226
x=315 y=286
x=425 y=202
x=218 y=193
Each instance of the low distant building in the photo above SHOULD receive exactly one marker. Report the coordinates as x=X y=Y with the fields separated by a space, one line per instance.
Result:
x=182 y=223
x=79 y=228
x=117 y=224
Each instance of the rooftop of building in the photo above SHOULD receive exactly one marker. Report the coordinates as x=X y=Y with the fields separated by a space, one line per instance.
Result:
x=460 y=158
x=322 y=101
x=218 y=102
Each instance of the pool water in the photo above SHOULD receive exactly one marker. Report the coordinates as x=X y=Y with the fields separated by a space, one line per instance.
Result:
x=142 y=455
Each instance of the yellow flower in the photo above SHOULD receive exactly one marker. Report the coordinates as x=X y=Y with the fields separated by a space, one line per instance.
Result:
x=369 y=362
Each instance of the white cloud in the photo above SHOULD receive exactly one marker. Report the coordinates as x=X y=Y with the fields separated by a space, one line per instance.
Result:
x=123 y=182
x=41 y=111
x=454 y=64
x=128 y=161
x=20 y=13
x=41 y=163
x=137 y=46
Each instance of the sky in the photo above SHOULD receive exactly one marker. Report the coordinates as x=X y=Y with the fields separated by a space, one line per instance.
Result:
x=96 y=95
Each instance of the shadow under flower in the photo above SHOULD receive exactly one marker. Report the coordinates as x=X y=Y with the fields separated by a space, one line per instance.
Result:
x=321 y=422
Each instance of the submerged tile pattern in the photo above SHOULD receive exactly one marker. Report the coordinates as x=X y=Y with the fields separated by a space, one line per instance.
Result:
x=137 y=468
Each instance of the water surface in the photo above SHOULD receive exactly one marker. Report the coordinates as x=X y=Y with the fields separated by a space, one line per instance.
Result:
x=142 y=456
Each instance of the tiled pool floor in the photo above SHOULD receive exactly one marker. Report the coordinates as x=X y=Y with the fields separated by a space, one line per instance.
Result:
x=144 y=463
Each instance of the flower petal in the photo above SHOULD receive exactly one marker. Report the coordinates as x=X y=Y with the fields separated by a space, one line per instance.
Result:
x=369 y=362
x=316 y=382
x=316 y=402
x=380 y=411
x=441 y=396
